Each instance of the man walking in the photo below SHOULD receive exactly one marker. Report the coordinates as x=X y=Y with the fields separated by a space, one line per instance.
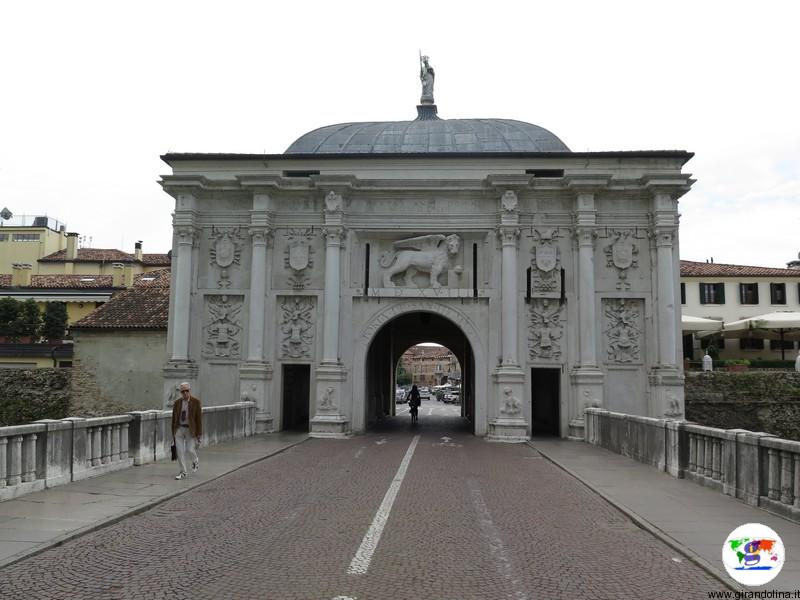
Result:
x=187 y=428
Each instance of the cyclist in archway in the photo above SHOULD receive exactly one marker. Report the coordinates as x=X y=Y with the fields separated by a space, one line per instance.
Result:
x=414 y=402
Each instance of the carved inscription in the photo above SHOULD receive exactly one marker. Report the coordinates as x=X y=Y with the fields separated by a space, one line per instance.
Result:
x=623 y=329
x=297 y=327
x=222 y=334
x=545 y=330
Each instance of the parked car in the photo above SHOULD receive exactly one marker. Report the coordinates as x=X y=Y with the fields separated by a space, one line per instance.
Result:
x=452 y=396
x=424 y=393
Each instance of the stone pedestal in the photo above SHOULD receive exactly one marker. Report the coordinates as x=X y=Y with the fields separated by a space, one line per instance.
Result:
x=587 y=385
x=329 y=420
x=175 y=372
x=254 y=378
x=666 y=393
x=510 y=424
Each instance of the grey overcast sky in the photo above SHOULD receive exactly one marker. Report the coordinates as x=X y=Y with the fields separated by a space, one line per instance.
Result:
x=93 y=93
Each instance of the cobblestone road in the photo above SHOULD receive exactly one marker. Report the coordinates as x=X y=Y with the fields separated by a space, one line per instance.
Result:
x=471 y=519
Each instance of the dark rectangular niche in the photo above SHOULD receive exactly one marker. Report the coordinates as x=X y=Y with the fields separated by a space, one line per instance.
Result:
x=545 y=172
x=300 y=173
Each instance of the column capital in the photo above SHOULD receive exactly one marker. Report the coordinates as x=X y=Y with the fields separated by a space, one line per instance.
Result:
x=664 y=236
x=187 y=234
x=334 y=234
x=509 y=235
x=585 y=235
x=261 y=236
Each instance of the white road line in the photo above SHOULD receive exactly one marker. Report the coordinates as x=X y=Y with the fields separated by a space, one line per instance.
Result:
x=360 y=563
x=430 y=412
x=497 y=549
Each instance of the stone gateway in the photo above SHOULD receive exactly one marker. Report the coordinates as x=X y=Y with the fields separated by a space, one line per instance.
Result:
x=299 y=279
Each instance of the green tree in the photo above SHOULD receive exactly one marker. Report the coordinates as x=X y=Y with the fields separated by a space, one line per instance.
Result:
x=29 y=319
x=9 y=315
x=402 y=377
x=55 y=320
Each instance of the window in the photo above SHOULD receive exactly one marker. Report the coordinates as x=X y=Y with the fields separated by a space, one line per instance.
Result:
x=777 y=293
x=3 y=237
x=683 y=293
x=751 y=343
x=712 y=293
x=25 y=237
x=776 y=345
x=748 y=293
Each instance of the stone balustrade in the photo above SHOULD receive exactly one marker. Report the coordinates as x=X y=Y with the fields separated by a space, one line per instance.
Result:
x=52 y=452
x=759 y=469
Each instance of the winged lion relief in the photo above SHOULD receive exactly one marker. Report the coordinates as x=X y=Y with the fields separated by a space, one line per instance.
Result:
x=426 y=253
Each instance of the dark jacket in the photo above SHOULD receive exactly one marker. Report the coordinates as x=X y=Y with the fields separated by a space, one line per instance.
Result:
x=413 y=398
x=195 y=416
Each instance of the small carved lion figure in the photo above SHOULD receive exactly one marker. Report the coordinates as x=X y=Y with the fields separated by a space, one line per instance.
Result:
x=511 y=403
x=427 y=253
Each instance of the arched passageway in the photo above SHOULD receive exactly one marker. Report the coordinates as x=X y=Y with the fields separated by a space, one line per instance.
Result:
x=392 y=340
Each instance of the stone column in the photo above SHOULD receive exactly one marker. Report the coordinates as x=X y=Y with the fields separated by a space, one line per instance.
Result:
x=255 y=374
x=330 y=416
x=586 y=376
x=666 y=378
x=180 y=367
x=509 y=424
x=181 y=316
x=330 y=335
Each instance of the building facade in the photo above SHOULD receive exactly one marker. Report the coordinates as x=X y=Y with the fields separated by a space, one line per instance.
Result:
x=299 y=279
x=731 y=292
x=430 y=365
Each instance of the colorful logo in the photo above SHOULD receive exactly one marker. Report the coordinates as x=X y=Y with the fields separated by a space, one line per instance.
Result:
x=753 y=554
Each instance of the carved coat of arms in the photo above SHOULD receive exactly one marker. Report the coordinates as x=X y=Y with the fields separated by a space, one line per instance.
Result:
x=546 y=259
x=299 y=256
x=225 y=251
x=622 y=254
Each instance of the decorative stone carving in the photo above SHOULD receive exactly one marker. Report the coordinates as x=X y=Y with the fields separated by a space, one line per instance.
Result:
x=509 y=201
x=222 y=334
x=249 y=395
x=326 y=400
x=622 y=254
x=299 y=256
x=225 y=251
x=545 y=330
x=511 y=404
x=428 y=253
x=262 y=235
x=673 y=407
x=333 y=202
x=623 y=330
x=546 y=263
x=297 y=326
x=589 y=402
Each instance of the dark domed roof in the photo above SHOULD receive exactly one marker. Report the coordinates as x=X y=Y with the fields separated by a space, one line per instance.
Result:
x=428 y=136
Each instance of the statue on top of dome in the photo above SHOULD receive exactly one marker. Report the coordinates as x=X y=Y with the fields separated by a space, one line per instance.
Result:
x=426 y=76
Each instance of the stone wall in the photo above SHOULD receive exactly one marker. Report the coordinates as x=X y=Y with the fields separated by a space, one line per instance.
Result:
x=767 y=401
x=30 y=394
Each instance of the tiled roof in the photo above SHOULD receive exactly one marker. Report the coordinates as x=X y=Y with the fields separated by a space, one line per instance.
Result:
x=702 y=269
x=108 y=255
x=159 y=260
x=63 y=281
x=144 y=306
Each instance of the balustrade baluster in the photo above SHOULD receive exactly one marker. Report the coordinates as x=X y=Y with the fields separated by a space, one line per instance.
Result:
x=709 y=456
x=115 y=442
x=29 y=457
x=774 y=485
x=15 y=461
x=123 y=442
x=106 y=433
x=716 y=471
x=692 y=453
x=701 y=455
x=97 y=452
x=796 y=458
x=3 y=447
x=787 y=478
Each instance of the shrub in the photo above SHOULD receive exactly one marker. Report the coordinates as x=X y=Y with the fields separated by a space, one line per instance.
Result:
x=29 y=319
x=9 y=316
x=55 y=320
